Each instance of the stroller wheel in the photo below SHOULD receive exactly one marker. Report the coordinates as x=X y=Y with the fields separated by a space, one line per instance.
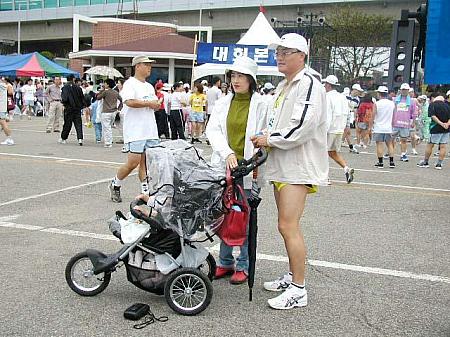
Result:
x=209 y=267
x=81 y=279
x=188 y=291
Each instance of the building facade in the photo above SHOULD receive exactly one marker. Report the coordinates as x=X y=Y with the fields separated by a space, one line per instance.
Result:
x=46 y=22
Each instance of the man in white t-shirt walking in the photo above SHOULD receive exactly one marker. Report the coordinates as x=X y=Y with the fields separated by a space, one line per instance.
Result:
x=212 y=95
x=382 y=126
x=337 y=111
x=139 y=127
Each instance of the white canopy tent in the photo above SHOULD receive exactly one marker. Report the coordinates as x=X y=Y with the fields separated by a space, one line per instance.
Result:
x=260 y=33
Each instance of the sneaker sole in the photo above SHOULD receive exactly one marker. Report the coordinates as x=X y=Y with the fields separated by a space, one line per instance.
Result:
x=438 y=168
x=237 y=282
x=224 y=275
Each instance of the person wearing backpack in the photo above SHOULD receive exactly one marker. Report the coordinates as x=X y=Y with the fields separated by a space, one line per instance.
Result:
x=235 y=118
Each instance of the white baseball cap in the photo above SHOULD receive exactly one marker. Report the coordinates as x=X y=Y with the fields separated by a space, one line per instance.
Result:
x=269 y=86
x=423 y=97
x=186 y=85
x=141 y=59
x=383 y=88
x=331 y=79
x=204 y=82
x=167 y=87
x=405 y=86
x=244 y=65
x=448 y=93
x=291 y=40
x=356 y=86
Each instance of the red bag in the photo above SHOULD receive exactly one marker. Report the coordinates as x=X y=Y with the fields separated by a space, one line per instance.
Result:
x=233 y=230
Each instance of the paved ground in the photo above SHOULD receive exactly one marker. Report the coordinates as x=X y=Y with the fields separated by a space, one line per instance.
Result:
x=378 y=251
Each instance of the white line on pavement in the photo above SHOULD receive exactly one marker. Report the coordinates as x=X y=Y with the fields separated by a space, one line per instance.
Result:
x=362 y=269
x=59 y=158
x=394 y=186
x=54 y=192
x=260 y=256
x=366 y=170
x=9 y=217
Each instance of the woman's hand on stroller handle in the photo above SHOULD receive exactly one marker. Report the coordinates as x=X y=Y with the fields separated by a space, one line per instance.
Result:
x=231 y=161
x=245 y=166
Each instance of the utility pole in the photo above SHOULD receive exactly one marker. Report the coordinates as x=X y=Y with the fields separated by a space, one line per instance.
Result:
x=18 y=37
x=18 y=30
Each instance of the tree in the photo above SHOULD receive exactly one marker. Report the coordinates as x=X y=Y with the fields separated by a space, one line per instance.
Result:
x=362 y=42
x=48 y=54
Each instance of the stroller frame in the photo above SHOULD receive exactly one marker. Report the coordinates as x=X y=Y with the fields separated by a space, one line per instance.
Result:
x=187 y=289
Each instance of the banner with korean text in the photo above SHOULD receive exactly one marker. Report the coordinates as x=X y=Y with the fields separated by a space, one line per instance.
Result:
x=222 y=53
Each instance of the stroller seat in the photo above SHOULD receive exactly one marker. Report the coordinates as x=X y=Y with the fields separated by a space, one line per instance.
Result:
x=163 y=241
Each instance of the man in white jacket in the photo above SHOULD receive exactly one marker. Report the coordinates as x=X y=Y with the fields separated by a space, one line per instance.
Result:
x=298 y=159
x=337 y=111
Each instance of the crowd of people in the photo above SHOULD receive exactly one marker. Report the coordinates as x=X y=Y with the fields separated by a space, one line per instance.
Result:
x=387 y=118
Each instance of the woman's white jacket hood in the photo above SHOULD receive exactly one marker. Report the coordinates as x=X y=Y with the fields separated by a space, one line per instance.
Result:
x=217 y=134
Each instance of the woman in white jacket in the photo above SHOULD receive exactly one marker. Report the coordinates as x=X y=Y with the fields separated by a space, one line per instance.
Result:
x=235 y=118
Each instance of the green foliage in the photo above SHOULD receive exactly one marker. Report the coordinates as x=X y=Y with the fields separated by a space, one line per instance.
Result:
x=358 y=28
x=48 y=54
x=362 y=42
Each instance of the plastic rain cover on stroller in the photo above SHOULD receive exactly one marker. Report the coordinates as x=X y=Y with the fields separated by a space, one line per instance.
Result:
x=184 y=190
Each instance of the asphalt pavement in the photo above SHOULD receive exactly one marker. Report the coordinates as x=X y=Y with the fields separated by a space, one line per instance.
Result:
x=378 y=250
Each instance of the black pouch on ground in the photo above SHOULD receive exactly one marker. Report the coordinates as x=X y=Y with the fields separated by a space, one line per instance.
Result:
x=136 y=311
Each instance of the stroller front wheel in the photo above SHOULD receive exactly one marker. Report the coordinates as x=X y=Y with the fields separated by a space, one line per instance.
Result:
x=188 y=291
x=81 y=279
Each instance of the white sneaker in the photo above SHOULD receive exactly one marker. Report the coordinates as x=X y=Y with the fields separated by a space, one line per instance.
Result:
x=108 y=145
x=414 y=152
x=280 y=284
x=293 y=297
x=7 y=141
x=62 y=141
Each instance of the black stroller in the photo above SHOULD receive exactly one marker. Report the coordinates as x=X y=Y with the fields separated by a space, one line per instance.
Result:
x=160 y=250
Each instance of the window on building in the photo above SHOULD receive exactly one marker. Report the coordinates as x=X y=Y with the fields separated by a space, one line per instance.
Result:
x=65 y=3
x=20 y=5
x=35 y=4
x=6 y=5
x=50 y=3
x=183 y=74
x=159 y=73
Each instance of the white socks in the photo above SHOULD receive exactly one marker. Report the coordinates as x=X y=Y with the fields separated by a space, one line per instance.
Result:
x=117 y=182
x=144 y=188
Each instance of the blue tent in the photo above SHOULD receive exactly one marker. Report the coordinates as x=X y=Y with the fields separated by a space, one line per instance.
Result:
x=33 y=64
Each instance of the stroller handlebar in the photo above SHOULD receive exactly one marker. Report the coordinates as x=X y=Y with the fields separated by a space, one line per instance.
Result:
x=139 y=215
x=245 y=166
